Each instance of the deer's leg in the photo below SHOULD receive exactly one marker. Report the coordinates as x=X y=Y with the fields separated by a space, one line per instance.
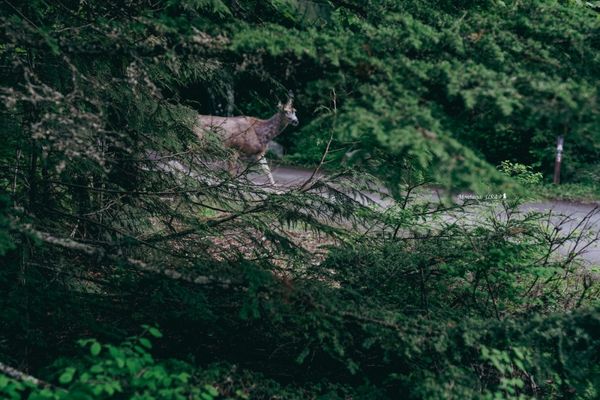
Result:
x=233 y=165
x=265 y=166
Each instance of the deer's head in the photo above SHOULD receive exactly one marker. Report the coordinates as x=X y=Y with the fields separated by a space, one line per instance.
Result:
x=289 y=112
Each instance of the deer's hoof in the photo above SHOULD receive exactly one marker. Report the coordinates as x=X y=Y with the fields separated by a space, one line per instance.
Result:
x=277 y=189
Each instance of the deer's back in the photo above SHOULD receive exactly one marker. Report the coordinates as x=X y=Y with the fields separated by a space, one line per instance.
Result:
x=236 y=132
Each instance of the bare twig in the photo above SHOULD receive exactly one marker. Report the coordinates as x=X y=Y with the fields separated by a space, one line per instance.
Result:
x=22 y=376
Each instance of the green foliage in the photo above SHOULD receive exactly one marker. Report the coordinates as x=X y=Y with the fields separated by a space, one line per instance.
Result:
x=114 y=213
x=523 y=174
x=491 y=270
x=531 y=185
x=446 y=86
x=125 y=371
x=470 y=359
x=581 y=192
x=508 y=365
x=6 y=241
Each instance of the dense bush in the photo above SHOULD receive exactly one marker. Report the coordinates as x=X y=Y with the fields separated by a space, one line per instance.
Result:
x=549 y=357
x=452 y=312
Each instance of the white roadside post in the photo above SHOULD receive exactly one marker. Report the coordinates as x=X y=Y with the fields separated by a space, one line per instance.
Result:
x=557 y=162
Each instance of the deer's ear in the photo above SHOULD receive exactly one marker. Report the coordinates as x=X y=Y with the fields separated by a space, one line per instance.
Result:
x=279 y=105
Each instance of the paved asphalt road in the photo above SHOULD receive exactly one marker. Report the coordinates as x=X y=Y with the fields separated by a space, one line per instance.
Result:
x=289 y=177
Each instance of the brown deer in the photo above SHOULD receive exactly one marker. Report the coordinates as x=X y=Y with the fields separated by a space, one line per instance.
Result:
x=249 y=136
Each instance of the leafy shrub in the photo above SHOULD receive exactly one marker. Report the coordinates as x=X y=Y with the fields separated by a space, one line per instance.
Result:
x=523 y=174
x=125 y=371
x=429 y=358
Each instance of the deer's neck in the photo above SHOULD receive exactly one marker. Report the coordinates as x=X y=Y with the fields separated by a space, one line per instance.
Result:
x=273 y=127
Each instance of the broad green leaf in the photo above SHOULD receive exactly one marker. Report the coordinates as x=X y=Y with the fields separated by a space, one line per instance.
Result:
x=95 y=348
x=67 y=375
x=155 y=332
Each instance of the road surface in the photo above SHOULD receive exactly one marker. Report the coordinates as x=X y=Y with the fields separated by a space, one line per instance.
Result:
x=291 y=176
